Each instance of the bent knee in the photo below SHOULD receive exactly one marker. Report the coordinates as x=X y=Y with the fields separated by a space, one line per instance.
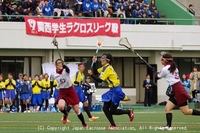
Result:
x=61 y=104
x=187 y=112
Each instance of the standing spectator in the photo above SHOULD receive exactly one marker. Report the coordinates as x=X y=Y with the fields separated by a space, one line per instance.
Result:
x=153 y=9
x=129 y=14
x=191 y=9
x=96 y=9
x=47 y=9
x=186 y=83
x=194 y=79
x=87 y=9
x=10 y=84
x=148 y=85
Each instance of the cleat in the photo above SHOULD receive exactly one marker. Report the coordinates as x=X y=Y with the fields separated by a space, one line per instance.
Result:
x=126 y=98
x=131 y=114
x=112 y=128
x=85 y=126
x=64 y=119
x=67 y=120
x=93 y=118
x=165 y=128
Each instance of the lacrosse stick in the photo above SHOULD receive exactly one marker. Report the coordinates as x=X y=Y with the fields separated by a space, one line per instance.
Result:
x=124 y=42
x=55 y=43
x=100 y=41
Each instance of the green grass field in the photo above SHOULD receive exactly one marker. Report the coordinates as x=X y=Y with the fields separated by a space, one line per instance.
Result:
x=146 y=121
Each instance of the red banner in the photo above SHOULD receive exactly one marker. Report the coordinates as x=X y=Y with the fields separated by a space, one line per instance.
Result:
x=72 y=27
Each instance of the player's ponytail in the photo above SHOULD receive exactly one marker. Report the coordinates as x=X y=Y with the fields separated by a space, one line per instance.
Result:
x=167 y=57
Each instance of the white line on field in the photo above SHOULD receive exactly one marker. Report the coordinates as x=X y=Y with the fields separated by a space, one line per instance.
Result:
x=98 y=122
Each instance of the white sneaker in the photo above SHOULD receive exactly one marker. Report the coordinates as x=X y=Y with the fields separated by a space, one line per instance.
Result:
x=29 y=111
x=25 y=111
x=165 y=128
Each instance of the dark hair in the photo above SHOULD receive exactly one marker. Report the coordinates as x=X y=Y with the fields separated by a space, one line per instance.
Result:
x=195 y=67
x=109 y=56
x=57 y=61
x=24 y=75
x=81 y=64
x=190 y=5
x=168 y=58
x=147 y=75
x=37 y=75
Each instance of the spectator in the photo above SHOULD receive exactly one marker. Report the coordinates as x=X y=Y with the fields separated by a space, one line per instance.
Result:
x=47 y=9
x=122 y=20
x=121 y=10
x=117 y=5
x=153 y=21
x=78 y=5
x=96 y=9
x=186 y=83
x=103 y=8
x=109 y=16
x=126 y=4
x=129 y=14
x=142 y=4
x=147 y=11
x=35 y=4
x=20 y=8
x=191 y=10
x=144 y=20
x=194 y=80
x=87 y=9
x=112 y=5
x=8 y=9
x=27 y=6
x=66 y=4
x=136 y=3
x=16 y=18
x=153 y=9
x=137 y=14
x=148 y=85
x=146 y=2
x=57 y=4
x=39 y=10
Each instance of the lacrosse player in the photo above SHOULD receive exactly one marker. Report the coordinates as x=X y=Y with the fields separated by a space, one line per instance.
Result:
x=25 y=93
x=2 y=87
x=67 y=94
x=45 y=83
x=179 y=96
x=112 y=97
x=10 y=84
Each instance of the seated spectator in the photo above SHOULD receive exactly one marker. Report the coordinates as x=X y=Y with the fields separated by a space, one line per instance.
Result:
x=35 y=4
x=112 y=5
x=153 y=9
x=57 y=4
x=153 y=21
x=122 y=20
x=129 y=14
x=191 y=10
x=27 y=6
x=68 y=12
x=47 y=9
x=117 y=5
x=78 y=5
x=16 y=18
x=1 y=11
x=137 y=14
x=39 y=10
x=65 y=4
x=136 y=3
x=121 y=11
x=7 y=8
x=144 y=21
x=109 y=16
x=87 y=9
x=30 y=13
x=142 y=4
x=147 y=11
x=96 y=9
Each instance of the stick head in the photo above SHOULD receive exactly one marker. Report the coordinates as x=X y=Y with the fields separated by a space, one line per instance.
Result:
x=100 y=41
x=124 y=42
x=54 y=41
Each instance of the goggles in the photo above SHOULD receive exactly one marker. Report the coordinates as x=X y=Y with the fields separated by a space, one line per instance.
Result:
x=104 y=58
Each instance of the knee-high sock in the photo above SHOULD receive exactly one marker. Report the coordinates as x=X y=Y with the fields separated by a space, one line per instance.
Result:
x=81 y=118
x=169 y=119
x=88 y=111
x=195 y=112
x=115 y=111
x=46 y=103
x=106 y=107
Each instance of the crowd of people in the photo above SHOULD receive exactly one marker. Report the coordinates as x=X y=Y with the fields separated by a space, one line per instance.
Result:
x=126 y=10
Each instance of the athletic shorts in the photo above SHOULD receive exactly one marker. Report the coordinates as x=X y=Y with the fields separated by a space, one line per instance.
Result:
x=25 y=96
x=114 y=94
x=10 y=94
x=56 y=93
x=69 y=95
x=45 y=95
x=1 y=95
x=173 y=100
x=36 y=99
x=80 y=93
